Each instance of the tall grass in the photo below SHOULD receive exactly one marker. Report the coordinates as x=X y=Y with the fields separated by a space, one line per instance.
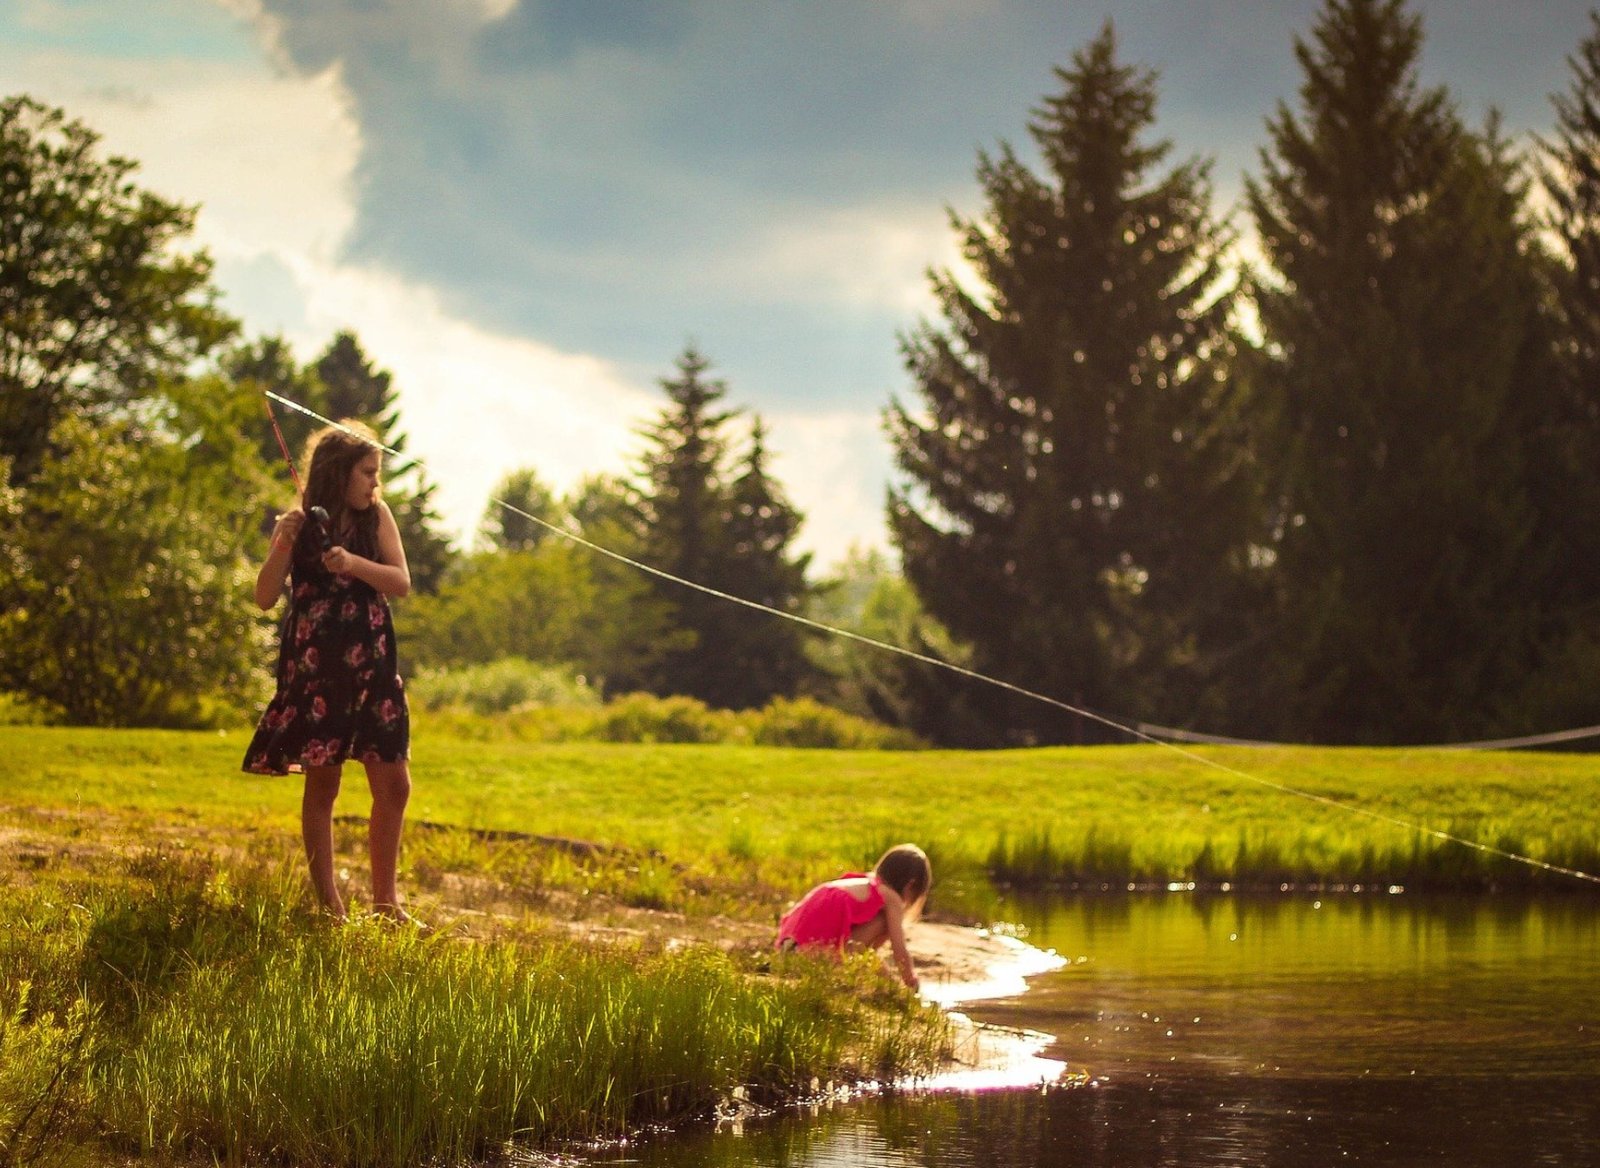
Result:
x=375 y=1049
x=1256 y=857
x=780 y=818
x=44 y=1056
x=208 y=1011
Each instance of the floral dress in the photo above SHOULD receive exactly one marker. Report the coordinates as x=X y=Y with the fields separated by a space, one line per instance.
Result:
x=339 y=690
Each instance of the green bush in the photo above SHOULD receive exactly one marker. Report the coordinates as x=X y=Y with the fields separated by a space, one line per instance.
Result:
x=499 y=687
x=646 y=718
x=490 y=702
x=804 y=722
x=21 y=710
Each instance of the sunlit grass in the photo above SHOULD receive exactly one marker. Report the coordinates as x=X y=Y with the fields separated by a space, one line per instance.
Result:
x=179 y=1005
x=164 y=985
x=779 y=818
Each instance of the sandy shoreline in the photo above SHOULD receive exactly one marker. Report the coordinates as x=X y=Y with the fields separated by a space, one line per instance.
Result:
x=959 y=965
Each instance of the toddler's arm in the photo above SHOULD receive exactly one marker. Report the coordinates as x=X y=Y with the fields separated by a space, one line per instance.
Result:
x=894 y=915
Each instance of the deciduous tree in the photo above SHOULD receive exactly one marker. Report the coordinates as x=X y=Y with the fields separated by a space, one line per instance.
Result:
x=125 y=585
x=97 y=303
x=509 y=528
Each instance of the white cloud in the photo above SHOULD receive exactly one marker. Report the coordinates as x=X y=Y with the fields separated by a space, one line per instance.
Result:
x=833 y=467
x=51 y=16
x=486 y=10
x=864 y=256
x=270 y=158
x=476 y=405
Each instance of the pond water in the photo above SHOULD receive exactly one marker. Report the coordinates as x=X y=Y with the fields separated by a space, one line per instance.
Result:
x=1297 y=1031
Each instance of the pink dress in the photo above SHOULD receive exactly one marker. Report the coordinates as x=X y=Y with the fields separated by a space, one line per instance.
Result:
x=825 y=915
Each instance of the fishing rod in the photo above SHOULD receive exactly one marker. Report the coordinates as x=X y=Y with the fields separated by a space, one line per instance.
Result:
x=323 y=526
x=1133 y=731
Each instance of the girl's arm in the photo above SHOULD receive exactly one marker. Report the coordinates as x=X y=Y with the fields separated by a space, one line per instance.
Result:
x=388 y=573
x=894 y=918
x=269 y=581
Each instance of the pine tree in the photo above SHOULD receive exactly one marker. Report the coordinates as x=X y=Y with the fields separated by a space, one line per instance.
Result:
x=1400 y=320
x=267 y=364
x=1077 y=506
x=766 y=655
x=700 y=521
x=1565 y=461
x=678 y=512
x=428 y=551
x=353 y=387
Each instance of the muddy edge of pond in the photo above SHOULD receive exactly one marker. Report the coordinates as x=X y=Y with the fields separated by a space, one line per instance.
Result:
x=957 y=965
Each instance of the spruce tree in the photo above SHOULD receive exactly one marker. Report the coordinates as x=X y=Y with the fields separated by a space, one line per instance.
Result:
x=766 y=655
x=1565 y=461
x=353 y=387
x=1076 y=506
x=429 y=555
x=728 y=529
x=1399 y=312
x=267 y=364
x=678 y=513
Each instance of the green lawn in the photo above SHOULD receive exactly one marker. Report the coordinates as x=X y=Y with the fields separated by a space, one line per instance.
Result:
x=149 y=888
x=1145 y=813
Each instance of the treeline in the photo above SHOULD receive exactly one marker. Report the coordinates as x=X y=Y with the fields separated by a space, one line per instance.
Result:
x=1341 y=492
x=1322 y=469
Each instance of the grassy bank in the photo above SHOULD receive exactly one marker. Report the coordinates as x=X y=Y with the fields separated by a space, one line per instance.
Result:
x=738 y=829
x=167 y=1003
x=604 y=913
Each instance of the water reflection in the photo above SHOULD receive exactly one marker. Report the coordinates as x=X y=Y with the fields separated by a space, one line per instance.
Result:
x=1280 y=1124
x=1317 y=986
x=1291 y=1032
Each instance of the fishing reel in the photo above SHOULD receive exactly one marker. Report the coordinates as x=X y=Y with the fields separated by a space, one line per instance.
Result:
x=322 y=527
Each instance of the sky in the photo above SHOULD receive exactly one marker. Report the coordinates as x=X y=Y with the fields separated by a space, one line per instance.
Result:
x=526 y=210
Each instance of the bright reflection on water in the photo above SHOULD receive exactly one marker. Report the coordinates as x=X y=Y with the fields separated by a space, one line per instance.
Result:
x=1296 y=1031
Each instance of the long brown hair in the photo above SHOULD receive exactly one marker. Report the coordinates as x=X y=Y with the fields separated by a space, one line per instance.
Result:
x=905 y=869
x=332 y=454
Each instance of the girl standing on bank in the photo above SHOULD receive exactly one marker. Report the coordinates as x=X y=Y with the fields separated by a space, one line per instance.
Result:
x=339 y=692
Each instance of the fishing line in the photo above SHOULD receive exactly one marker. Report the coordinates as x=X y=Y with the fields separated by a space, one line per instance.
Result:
x=1551 y=739
x=974 y=675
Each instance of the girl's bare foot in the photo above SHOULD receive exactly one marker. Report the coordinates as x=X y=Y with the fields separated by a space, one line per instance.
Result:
x=395 y=915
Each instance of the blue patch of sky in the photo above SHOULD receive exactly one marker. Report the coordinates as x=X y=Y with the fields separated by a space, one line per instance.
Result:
x=543 y=31
x=196 y=30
